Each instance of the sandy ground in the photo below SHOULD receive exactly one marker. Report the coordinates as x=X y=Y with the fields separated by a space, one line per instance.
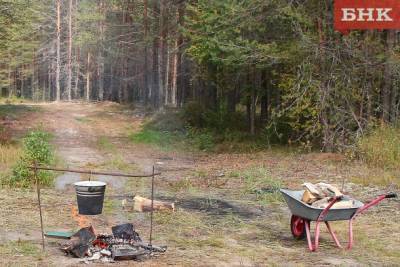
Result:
x=219 y=221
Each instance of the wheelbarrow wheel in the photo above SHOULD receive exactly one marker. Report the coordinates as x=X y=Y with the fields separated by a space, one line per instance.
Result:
x=298 y=227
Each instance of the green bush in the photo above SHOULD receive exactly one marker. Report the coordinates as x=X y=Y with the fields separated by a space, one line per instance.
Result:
x=381 y=147
x=198 y=116
x=36 y=148
x=166 y=121
x=201 y=139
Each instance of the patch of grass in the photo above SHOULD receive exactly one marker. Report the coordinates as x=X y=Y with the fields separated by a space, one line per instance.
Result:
x=384 y=178
x=103 y=143
x=258 y=180
x=9 y=154
x=116 y=162
x=20 y=248
x=83 y=119
x=13 y=111
x=200 y=179
x=184 y=184
x=381 y=147
x=189 y=230
x=161 y=139
x=109 y=206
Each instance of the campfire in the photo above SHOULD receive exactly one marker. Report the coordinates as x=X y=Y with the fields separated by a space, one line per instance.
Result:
x=124 y=244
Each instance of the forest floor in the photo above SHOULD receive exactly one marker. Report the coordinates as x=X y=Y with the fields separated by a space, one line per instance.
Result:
x=223 y=216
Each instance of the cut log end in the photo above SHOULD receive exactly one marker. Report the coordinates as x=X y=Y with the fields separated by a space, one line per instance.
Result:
x=144 y=205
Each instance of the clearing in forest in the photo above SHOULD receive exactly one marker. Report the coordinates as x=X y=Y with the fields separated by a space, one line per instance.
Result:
x=224 y=216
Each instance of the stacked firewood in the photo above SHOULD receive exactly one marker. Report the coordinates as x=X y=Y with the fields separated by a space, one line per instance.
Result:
x=319 y=195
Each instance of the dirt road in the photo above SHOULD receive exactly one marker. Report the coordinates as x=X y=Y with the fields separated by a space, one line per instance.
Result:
x=220 y=220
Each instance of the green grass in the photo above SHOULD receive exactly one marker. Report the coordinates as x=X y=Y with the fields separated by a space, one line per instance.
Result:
x=258 y=181
x=103 y=143
x=161 y=139
x=21 y=248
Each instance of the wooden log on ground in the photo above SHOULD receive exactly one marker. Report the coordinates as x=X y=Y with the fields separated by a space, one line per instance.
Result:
x=144 y=204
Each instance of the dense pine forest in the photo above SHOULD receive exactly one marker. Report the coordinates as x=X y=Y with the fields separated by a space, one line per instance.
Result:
x=272 y=68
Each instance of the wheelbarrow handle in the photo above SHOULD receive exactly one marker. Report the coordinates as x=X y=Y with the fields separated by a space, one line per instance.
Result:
x=374 y=202
x=391 y=195
x=362 y=209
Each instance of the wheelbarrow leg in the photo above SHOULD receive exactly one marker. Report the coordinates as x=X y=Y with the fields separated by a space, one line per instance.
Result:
x=317 y=230
x=308 y=234
x=321 y=218
x=350 y=245
x=333 y=235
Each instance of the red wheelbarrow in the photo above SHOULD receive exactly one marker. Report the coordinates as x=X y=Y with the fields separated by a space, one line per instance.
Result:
x=303 y=214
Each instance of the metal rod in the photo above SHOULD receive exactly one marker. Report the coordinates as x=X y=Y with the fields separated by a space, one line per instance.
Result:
x=39 y=204
x=95 y=173
x=152 y=207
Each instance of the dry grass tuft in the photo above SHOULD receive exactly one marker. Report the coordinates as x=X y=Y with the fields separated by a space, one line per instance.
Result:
x=9 y=154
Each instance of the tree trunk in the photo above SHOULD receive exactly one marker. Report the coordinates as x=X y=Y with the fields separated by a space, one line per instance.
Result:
x=231 y=99
x=174 y=76
x=265 y=99
x=125 y=81
x=77 y=72
x=147 y=90
x=34 y=80
x=69 y=59
x=156 y=77
x=100 y=64
x=166 y=85
x=58 y=90
x=387 y=77
x=162 y=51
x=180 y=80
x=212 y=101
x=88 y=77
x=22 y=78
x=10 y=82
x=253 y=111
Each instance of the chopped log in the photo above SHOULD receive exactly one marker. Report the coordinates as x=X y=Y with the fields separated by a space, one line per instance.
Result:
x=144 y=204
x=309 y=197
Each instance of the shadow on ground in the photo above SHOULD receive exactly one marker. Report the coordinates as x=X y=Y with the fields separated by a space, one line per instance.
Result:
x=216 y=207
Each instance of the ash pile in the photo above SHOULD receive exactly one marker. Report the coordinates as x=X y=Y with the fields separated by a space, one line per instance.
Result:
x=124 y=244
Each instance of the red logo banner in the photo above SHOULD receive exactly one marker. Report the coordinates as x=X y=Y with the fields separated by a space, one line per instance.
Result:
x=366 y=15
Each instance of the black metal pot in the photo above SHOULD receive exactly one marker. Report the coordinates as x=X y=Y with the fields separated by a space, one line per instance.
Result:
x=90 y=197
